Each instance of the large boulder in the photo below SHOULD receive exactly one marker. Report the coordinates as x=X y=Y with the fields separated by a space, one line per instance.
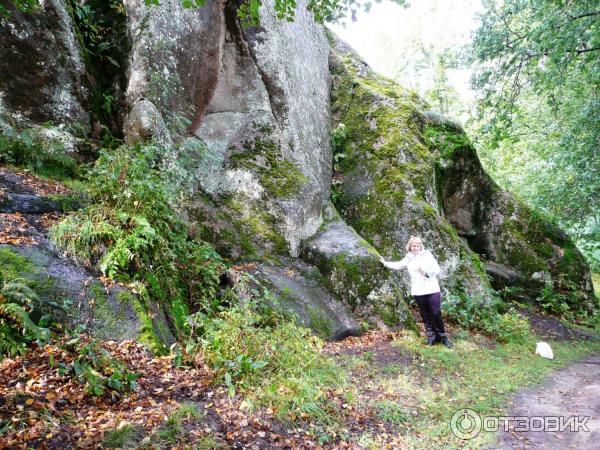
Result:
x=353 y=273
x=523 y=250
x=298 y=291
x=385 y=178
x=267 y=129
x=42 y=74
x=174 y=60
x=257 y=97
x=73 y=297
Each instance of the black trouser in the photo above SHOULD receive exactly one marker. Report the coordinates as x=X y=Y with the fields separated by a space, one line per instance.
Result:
x=431 y=312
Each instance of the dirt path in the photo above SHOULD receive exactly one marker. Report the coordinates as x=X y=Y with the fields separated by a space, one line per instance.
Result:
x=573 y=391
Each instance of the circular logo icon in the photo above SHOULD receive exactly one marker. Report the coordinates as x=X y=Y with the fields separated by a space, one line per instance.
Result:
x=465 y=424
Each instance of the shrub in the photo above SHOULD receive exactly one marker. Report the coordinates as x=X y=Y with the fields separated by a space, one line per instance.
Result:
x=133 y=233
x=488 y=314
x=472 y=311
x=273 y=361
x=554 y=302
x=509 y=327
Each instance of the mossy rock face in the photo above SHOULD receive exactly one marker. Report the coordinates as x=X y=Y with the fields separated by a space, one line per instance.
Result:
x=268 y=167
x=263 y=202
x=355 y=275
x=386 y=179
x=521 y=247
x=42 y=73
x=298 y=291
x=72 y=297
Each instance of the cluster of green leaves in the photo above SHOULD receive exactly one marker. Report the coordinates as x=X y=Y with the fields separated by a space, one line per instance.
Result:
x=489 y=314
x=338 y=139
x=538 y=75
x=17 y=329
x=258 y=351
x=322 y=10
x=40 y=155
x=100 y=27
x=133 y=232
x=554 y=302
x=96 y=368
x=26 y=6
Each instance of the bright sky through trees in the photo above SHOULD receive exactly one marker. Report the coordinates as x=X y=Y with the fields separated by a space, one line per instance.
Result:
x=402 y=43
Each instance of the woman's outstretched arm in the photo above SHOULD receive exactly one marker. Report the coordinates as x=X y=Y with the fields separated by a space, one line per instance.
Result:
x=396 y=265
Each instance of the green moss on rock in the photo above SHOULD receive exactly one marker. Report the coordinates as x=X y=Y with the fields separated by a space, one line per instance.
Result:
x=13 y=265
x=280 y=177
x=147 y=334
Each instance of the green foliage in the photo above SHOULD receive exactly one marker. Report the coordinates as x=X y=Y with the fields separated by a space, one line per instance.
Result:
x=125 y=436
x=488 y=314
x=538 y=75
x=95 y=367
x=100 y=27
x=25 y=6
x=339 y=136
x=555 y=302
x=172 y=428
x=393 y=412
x=509 y=327
x=322 y=10
x=17 y=329
x=274 y=362
x=133 y=233
x=588 y=242
x=43 y=156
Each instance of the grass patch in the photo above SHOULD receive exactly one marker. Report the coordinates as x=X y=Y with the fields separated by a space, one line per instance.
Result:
x=132 y=232
x=126 y=436
x=392 y=412
x=477 y=374
x=273 y=362
x=173 y=431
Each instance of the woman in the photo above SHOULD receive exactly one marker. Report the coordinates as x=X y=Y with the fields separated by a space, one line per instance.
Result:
x=423 y=270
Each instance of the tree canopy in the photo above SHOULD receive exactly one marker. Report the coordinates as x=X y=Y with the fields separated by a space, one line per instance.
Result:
x=322 y=10
x=538 y=73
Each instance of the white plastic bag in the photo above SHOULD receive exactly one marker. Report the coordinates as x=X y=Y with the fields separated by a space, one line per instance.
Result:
x=544 y=350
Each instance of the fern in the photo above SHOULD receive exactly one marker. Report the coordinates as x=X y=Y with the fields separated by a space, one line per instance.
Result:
x=21 y=319
x=11 y=341
x=16 y=326
x=18 y=292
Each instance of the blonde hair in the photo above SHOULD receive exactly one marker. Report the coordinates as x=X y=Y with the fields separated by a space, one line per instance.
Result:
x=414 y=240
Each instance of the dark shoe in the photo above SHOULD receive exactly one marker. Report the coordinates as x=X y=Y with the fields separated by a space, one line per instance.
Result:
x=447 y=342
x=433 y=340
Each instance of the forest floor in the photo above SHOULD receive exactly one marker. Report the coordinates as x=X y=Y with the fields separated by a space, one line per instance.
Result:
x=399 y=394
x=396 y=392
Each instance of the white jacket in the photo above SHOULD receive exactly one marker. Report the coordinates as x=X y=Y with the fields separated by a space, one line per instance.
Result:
x=419 y=283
